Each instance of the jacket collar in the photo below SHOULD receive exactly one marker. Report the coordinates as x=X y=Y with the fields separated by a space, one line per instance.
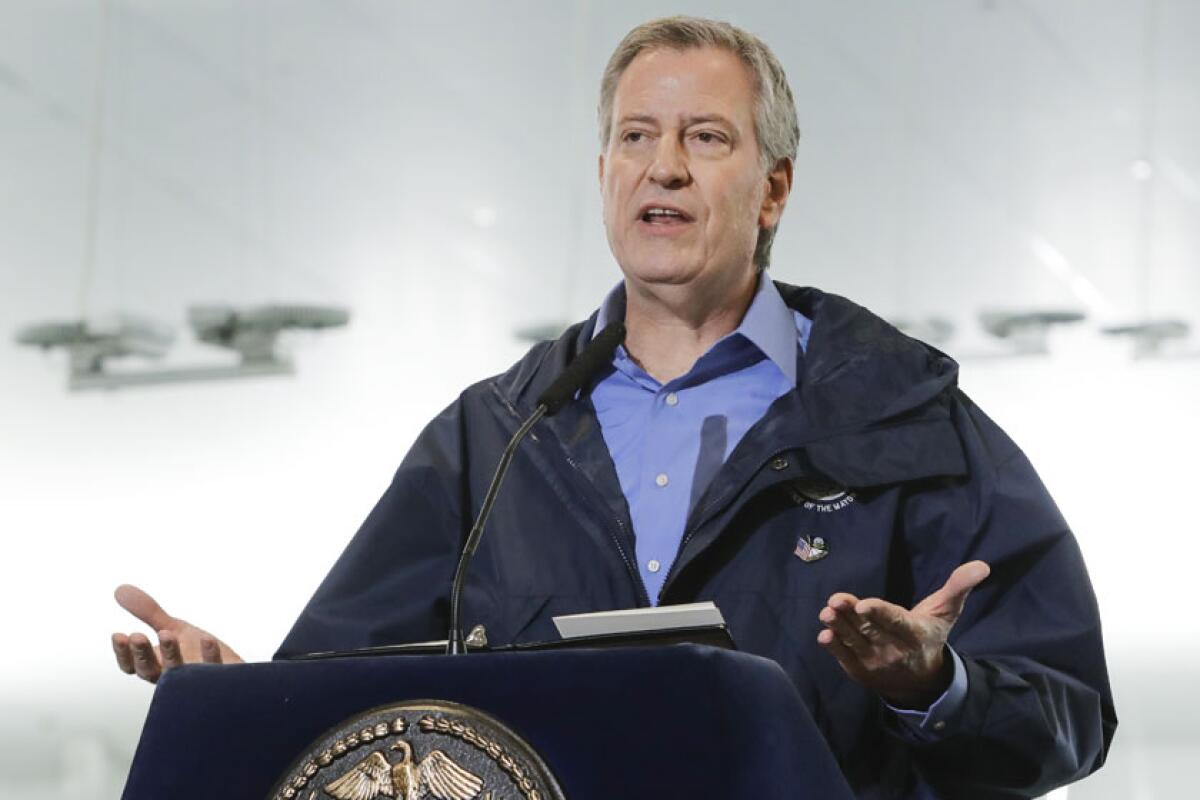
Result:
x=871 y=408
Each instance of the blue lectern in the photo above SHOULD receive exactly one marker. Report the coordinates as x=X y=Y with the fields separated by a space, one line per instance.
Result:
x=682 y=721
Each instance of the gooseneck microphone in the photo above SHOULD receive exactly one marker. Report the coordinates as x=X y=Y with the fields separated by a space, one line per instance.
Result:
x=585 y=366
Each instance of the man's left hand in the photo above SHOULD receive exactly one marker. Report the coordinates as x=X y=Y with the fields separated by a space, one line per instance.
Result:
x=897 y=652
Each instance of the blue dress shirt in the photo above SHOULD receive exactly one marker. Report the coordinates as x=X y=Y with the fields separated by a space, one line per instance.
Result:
x=667 y=441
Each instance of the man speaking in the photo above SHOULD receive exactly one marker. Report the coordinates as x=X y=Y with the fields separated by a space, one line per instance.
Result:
x=779 y=451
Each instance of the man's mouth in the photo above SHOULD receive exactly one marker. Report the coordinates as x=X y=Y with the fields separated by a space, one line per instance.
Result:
x=664 y=215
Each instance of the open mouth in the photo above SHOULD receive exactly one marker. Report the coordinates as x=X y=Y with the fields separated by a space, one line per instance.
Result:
x=664 y=215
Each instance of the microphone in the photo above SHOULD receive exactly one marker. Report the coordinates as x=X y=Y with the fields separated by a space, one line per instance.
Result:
x=582 y=369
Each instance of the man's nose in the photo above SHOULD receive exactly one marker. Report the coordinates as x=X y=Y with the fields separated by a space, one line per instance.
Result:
x=669 y=169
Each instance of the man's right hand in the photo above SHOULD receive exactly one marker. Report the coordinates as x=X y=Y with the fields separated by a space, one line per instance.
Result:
x=179 y=642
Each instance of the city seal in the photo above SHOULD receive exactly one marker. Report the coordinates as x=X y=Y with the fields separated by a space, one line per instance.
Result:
x=416 y=750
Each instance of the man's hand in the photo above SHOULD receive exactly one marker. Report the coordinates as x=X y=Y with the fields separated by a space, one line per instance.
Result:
x=900 y=654
x=179 y=642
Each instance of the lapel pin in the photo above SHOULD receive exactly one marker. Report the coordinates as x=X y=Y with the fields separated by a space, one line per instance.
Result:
x=810 y=550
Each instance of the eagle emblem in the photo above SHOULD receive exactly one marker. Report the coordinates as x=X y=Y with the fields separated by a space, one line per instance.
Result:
x=418 y=750
x=436 y=775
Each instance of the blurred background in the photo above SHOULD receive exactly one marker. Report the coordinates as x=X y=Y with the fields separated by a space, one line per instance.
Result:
x=1017 y=181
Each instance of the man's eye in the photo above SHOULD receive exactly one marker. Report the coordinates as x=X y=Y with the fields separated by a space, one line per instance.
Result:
x=633 y=136
x=709 y=137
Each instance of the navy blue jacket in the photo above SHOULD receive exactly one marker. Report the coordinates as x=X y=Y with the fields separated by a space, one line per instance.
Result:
x=877 y=452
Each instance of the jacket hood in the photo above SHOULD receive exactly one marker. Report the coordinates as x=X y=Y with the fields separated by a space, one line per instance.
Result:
x=860 y=370
x=862 y=385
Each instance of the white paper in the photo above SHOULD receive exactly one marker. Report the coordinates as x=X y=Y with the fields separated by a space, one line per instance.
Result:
x=637 y=620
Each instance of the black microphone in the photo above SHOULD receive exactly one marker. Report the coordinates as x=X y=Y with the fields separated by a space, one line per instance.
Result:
x=593 y=358
x=584 y=367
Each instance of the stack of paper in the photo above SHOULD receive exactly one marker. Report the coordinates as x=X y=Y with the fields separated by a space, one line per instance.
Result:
x=639 y=620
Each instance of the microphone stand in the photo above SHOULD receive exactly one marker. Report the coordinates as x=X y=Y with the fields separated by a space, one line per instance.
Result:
x=454 y=641
x=588 y=362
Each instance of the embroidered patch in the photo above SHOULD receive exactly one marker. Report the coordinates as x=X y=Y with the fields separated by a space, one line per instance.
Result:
x=822 y=496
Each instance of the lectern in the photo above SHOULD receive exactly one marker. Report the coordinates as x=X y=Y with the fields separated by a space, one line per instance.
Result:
x=682 y=721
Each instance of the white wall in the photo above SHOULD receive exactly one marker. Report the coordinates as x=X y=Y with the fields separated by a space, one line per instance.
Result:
x=357 y=152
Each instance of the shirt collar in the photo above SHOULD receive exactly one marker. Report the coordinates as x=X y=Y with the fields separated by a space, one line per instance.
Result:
x=769 y=324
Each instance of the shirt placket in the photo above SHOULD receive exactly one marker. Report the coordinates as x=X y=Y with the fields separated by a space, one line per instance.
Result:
x=662 y=482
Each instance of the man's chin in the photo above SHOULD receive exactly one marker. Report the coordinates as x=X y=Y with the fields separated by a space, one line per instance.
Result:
x=667 y=272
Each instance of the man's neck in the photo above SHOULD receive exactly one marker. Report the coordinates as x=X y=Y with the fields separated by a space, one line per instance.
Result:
x=670 y=327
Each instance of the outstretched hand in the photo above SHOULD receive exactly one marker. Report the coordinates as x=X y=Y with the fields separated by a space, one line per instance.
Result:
x=897 y=652
x=179 y=641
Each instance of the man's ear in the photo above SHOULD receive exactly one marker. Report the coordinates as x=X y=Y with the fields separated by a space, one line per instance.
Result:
x=601 y=170
x=779 y=186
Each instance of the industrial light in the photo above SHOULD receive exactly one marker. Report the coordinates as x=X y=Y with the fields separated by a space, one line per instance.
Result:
x=1026 y=331
x=251 y=333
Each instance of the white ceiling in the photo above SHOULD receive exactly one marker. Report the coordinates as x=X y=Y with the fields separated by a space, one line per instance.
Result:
x=273 y=149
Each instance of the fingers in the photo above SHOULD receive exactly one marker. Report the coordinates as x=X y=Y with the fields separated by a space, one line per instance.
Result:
x=891 y=650
x=947 y=602
x=210 y=650
x=168 y=646
x=965 y=578
x=142 y=606
x=145 y=660
x=888 y=619
x=136 y=655
x=851 y=630
x=123 y=652
x=845 y=656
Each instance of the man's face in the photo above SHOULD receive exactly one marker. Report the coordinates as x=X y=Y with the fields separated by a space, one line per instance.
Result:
x=683 y=187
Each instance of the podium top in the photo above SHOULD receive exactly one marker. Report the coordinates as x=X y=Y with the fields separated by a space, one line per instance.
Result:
x=682 y=720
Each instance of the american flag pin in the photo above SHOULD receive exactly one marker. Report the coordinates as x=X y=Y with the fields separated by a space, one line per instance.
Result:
x=809 y=550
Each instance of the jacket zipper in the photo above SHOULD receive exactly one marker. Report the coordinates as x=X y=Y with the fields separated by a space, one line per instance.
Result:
x=634 y=576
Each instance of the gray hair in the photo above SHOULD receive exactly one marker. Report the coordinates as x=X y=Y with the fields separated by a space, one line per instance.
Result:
x=775 y=124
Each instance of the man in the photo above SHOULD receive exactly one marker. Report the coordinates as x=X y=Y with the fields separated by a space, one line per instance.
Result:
x=777 y=450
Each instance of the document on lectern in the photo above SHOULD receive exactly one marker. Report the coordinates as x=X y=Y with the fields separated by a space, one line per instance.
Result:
x=640 y=620
x=692 y=623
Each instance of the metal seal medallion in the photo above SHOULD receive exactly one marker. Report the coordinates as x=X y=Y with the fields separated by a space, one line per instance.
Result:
x=416 y=750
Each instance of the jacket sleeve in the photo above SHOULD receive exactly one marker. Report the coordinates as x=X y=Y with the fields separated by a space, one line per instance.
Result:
x=1038 y=711
x=391 y=584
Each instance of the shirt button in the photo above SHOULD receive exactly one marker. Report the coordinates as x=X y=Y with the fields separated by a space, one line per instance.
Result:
x=662 y=479
x=672 y=399
x=937 y=726
x=653 y=565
